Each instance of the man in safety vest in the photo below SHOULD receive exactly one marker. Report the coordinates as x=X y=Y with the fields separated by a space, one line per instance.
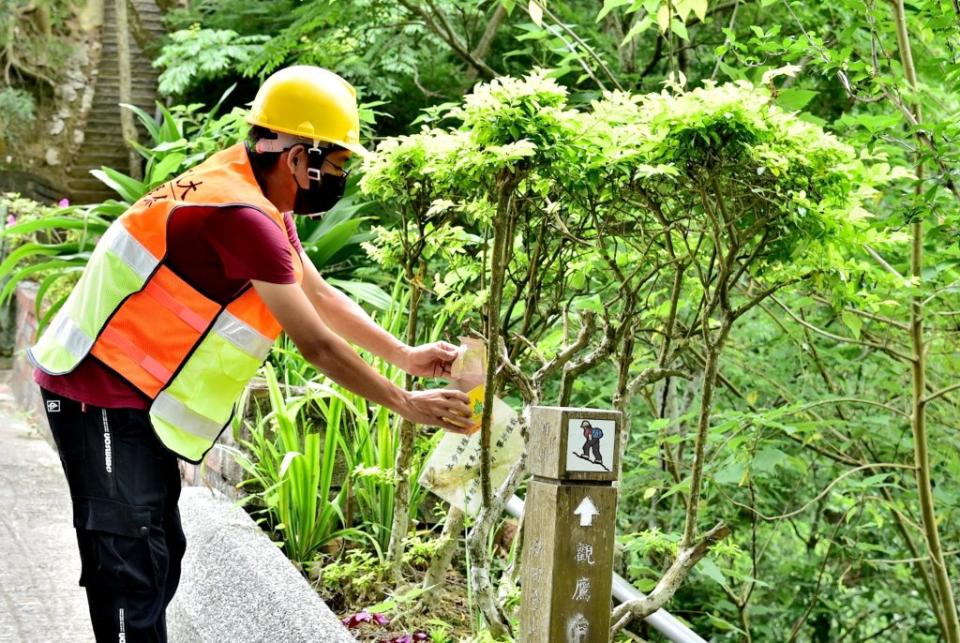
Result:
x=178 y=307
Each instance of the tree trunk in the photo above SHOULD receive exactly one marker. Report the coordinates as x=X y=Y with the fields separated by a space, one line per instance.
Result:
x=401 y=497
x=436 y=573
x=479 y=555
x=918 y=371
x=498 y=266
x=703 y=430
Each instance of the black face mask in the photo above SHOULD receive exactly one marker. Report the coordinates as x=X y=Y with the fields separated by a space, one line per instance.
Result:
x=322 y=194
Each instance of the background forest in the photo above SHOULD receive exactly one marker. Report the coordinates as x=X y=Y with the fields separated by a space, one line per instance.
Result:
x=735 y=221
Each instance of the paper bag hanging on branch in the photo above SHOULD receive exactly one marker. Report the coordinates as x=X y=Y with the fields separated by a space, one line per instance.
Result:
x=453 y=469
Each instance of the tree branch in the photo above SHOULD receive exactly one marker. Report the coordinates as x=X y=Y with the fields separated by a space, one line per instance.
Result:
x=486 y=40
x=682 y=565
x=445 y=33
x=840 y=338
x=650 y=375
x=587 y=327
x=940 y=393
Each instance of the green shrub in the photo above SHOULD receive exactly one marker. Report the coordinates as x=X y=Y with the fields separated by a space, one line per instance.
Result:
x=16 y=115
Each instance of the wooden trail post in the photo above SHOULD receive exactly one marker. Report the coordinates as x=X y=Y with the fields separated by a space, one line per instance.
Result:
x=570 y=522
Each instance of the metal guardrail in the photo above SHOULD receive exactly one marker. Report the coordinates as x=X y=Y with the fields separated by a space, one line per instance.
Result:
x=661 y=620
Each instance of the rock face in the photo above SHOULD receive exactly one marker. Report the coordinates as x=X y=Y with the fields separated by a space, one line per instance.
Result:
x=237 y=585
x=77 y=128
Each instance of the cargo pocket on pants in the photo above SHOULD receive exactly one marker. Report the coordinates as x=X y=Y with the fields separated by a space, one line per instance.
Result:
x=120 y=550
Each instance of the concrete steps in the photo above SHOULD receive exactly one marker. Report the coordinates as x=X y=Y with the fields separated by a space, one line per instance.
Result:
x=103 y=137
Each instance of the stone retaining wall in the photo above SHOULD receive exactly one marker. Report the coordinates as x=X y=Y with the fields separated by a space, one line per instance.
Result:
x=238 y=587
x=25 y=391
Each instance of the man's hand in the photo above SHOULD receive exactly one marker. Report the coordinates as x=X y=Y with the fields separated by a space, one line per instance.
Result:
x=428 y=360
x=444 y=408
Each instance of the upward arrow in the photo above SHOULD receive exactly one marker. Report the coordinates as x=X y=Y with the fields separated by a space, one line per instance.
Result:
x=586 y=510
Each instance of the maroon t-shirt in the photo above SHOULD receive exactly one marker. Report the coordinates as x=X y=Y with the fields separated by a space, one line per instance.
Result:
x=218 y=251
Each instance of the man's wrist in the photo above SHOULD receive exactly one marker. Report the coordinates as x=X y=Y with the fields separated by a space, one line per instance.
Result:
x=399 y=400
x=400 y=356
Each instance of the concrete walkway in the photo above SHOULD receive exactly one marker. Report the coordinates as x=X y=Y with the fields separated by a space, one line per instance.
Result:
x=236 y=585
x=39 y=563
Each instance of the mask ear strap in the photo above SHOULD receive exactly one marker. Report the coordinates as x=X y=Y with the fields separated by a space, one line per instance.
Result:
x=313 y=173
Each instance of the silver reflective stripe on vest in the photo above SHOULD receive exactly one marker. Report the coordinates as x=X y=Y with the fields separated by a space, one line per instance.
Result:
x=70 y=336
x=175 y=412
x=123 y=244
x=242 y=335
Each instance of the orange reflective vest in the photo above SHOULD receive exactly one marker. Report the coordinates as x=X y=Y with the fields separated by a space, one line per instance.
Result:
x=190 y=355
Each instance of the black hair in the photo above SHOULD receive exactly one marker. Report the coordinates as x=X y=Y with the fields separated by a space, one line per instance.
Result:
x=262 y=162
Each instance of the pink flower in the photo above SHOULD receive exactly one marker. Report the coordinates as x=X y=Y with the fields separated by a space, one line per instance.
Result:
x=11 y=219
x=364 y=616
x=408 y=638
x=357 y=619
x=62 y=203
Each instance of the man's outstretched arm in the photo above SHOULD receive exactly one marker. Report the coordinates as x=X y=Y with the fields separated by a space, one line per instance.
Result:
x=336 y=359
x=348 y=320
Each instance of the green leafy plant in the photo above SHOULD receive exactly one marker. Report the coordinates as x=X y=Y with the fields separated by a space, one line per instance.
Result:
x=369 y=434
x=358 y=576
x=195 y=55
x=50 y=245
x=291 y=472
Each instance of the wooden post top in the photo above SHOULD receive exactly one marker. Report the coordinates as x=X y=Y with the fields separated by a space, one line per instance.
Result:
x=574 y=443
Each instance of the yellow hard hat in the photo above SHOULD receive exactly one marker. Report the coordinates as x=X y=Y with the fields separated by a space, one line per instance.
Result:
x=310 y=102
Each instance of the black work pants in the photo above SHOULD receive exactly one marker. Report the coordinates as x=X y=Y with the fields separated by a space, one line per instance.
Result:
x=124 y=486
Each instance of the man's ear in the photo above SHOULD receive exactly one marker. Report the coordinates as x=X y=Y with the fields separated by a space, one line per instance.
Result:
x=294 y=160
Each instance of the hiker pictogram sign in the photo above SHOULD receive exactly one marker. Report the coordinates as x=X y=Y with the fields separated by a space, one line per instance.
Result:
x=590 y=444
x=575 y=444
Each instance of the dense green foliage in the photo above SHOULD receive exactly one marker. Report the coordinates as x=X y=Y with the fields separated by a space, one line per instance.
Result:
x=621 y=213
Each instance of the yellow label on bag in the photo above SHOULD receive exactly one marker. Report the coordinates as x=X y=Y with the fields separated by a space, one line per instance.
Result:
x=476 y=396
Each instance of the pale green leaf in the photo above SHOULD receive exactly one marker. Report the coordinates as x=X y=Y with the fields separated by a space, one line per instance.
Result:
x=536 y=11
x=663 y=18
x=710 y=569
x=677 y=27
x=699 y=8
x=610 y=5
x=795 y=99
x=637 y=29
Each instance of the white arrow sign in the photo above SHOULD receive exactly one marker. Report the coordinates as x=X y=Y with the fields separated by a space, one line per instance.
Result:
x=586 y=510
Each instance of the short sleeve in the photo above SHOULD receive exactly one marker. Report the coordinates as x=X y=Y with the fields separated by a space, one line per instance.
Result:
x=292 y=232
x=252 y=246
